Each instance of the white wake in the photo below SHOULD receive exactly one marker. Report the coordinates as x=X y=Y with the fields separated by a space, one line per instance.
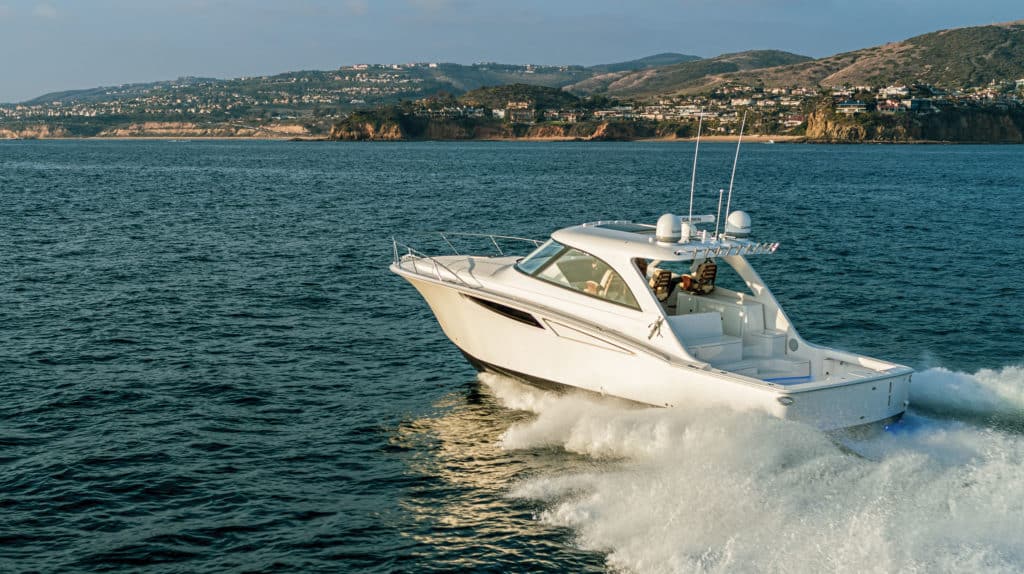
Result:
x=987 y=393
x=678 y=490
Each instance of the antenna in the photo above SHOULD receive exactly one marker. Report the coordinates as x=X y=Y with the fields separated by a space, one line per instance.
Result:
x=696 y=148
x=735 y=160
x=719 y=216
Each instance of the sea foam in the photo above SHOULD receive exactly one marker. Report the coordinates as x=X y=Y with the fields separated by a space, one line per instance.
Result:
x=678 y=490
x=988 y=392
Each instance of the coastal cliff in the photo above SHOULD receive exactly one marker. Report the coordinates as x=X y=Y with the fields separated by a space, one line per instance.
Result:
x=948 y=125
x=190 y=129
x=160 y=130
x=367 y=128
x=37 y=132
x=394 y=130
x=367 y=131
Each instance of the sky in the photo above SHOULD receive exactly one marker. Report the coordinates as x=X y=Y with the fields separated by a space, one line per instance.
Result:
x=57 y=45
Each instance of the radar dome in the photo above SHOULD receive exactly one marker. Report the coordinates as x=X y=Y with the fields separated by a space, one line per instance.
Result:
x=667 y=230
x=738 y=224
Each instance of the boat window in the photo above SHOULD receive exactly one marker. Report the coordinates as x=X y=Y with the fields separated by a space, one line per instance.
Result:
x=540 y=256
x=587 y=274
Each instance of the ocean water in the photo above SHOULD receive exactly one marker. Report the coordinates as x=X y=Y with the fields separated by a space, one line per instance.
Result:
x=206 y=366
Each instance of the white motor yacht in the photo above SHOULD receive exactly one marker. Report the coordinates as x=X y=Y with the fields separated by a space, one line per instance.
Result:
x=664 y=315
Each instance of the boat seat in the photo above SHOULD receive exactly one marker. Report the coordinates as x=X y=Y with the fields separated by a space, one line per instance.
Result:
x=613 y=288
x=702 y=281
x=661 y=283
x=742 y=317
x=701 y=334
x=768 y=343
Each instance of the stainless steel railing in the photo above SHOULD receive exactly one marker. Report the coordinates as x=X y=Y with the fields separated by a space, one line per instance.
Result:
x=413 y=255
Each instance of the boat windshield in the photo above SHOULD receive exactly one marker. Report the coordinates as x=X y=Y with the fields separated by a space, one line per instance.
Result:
x=580 y=271
x=540 y=256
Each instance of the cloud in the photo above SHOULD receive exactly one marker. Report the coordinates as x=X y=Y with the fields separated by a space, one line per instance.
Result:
x=357 y=7
x=45 y=11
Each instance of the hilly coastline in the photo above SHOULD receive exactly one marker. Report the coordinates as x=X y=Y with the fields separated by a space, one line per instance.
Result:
x=953 y=59
x=959 y=85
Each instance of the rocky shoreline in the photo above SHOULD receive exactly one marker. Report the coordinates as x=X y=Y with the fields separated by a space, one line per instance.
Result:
x=163 y=130
x=823 y=126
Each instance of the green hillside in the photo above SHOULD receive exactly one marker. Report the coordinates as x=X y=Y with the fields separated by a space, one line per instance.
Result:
x=951 y=59
x=657 y=60
x=961 y=57
x=376 y=84
x=679 y=77
x=461 y=78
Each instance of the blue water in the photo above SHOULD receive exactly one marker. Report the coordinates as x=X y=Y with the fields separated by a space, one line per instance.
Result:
x=205 y=365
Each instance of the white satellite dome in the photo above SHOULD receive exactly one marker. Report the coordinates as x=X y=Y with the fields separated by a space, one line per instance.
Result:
x=738 y=224
x=667 y=230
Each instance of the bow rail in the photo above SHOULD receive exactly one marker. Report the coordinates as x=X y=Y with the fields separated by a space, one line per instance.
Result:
x=408 y=260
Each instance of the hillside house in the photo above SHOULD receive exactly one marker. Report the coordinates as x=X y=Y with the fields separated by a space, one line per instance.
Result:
x=567 y=116
x=916 y=105
x=894 y=92
x=620 y=112
x=793 y=121
x=889 y=106
x=520 y=116
x=851 y=107
x=520 y=112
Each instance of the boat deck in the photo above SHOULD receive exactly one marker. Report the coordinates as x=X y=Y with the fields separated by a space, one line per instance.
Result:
x=727 y=330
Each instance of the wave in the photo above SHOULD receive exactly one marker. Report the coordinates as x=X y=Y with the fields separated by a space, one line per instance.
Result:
x=711 y=490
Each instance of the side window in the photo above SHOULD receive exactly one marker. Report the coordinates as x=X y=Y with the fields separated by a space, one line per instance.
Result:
x=583 y=272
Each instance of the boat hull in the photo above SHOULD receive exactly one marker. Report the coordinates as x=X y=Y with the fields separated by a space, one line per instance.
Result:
x=505 y=336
